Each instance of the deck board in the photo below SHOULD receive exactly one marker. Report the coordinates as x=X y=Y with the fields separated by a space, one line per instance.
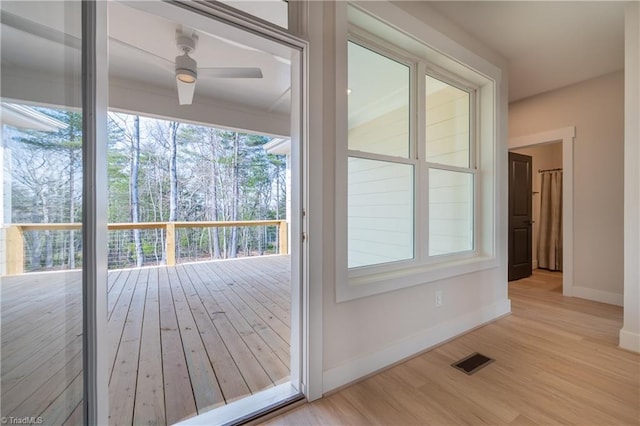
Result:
x=206 y=390
x=220 y=312
x=228 y=374
x=149 y=399
x=183 y=339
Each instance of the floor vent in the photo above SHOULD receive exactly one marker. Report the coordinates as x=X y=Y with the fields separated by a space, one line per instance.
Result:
x=472 y=363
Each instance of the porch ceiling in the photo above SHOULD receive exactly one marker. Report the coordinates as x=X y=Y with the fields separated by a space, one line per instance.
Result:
x=39 y=42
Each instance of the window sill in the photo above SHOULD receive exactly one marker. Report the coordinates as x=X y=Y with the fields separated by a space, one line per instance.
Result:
x=383 y=282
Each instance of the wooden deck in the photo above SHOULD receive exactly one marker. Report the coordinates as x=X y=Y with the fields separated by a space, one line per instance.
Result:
x=183 y=340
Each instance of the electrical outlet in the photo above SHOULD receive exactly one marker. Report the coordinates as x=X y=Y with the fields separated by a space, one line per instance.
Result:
x=438 y=298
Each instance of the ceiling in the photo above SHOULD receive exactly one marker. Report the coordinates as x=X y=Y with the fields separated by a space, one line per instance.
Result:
x=41 y=50
x=549 y=44
x=147 y=57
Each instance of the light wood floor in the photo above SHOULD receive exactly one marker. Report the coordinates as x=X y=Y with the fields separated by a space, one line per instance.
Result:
x=183 y=340
x=556 y=362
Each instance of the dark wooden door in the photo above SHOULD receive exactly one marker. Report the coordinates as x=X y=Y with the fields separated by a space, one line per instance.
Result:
x=520 y=215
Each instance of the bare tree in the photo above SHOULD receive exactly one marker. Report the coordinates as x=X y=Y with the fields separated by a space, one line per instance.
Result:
x=133 y=185
x=213 y=170
x=233 y=249
x=173 y=171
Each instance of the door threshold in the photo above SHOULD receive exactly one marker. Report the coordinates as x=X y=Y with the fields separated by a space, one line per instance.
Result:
x=247 y=409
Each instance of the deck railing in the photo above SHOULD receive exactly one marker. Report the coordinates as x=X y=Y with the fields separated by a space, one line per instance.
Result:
x=16 y=244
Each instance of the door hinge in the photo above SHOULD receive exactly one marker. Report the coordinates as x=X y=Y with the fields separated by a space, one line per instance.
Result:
x=304 y=237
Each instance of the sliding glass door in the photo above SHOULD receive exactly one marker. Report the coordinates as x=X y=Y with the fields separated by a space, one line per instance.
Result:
x=150 y=259
x=41 y=200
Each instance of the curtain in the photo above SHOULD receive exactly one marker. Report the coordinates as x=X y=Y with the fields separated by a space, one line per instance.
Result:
x=550 y=233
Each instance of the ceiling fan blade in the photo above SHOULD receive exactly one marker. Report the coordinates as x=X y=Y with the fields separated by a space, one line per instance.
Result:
x=185 y=92
x=235 y=43
x=30 y=27
x=158 y=60
x=230 y=72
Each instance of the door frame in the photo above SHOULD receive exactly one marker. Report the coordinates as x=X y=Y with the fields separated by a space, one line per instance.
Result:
x=566 y=135
x=190 y=9
x=95 y=371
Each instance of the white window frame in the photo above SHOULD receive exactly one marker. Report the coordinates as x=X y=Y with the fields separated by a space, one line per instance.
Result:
x=369 y=280
x=418 y=71
x=410 y=160
x=458 y=83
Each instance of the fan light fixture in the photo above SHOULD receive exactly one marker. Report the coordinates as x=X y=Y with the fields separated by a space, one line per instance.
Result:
x=186 y=76
x=186 y=69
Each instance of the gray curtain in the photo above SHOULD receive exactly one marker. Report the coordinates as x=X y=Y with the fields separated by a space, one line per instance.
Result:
x=550 y=233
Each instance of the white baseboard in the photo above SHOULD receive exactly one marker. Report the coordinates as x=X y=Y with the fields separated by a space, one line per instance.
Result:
x=598 y=295
x=367 y=364
x=630 y=341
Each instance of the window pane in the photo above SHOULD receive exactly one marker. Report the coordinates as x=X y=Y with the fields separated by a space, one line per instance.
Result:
x=274 y=11
x=450 y=212
x=41 y=279
x=378 y=103
x=380 y=221
x=447 y=118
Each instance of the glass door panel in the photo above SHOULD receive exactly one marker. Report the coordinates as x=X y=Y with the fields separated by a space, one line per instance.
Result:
x=200 y=207
x=41 y=213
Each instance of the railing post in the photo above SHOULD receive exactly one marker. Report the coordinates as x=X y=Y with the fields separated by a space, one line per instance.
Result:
x=283 y=236
x=15 y=250
x=171 y=243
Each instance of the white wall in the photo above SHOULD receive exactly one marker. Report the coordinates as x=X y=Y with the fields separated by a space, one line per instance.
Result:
x=544 y=157
x=596 y=109
x=630 y=333
x=363 y=335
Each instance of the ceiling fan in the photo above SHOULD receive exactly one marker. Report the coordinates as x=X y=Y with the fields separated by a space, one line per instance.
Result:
x=186 y=69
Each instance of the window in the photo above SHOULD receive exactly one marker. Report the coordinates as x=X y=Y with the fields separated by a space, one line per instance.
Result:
x=410 y=193
x=381 y=170
x=274 y=11
x=448 y=143
x=417 y=161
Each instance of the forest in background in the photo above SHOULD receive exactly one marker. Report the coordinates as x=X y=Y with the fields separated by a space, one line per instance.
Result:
x=158 y=171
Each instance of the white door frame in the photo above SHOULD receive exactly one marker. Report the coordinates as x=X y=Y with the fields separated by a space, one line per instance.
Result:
x=200 y=14
x=566 y=135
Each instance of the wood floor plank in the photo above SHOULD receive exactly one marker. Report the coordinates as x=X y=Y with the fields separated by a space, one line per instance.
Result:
x=218 y=308
x=114 y=277
x=272 y=365
x=18 y=310
x=116 y=323
x=122 y=383
x=260 y=318
x=203 y=380
x=75 y=418
x=37 y=345
x=178 y=394
x=116 y=284
x=170 y=345
x=149 y=399
x=53 y=388
x=274 y=292
x=556 y=362
x=58 y=412
x=28 y=376
x=248 y=289
x=229 y=377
